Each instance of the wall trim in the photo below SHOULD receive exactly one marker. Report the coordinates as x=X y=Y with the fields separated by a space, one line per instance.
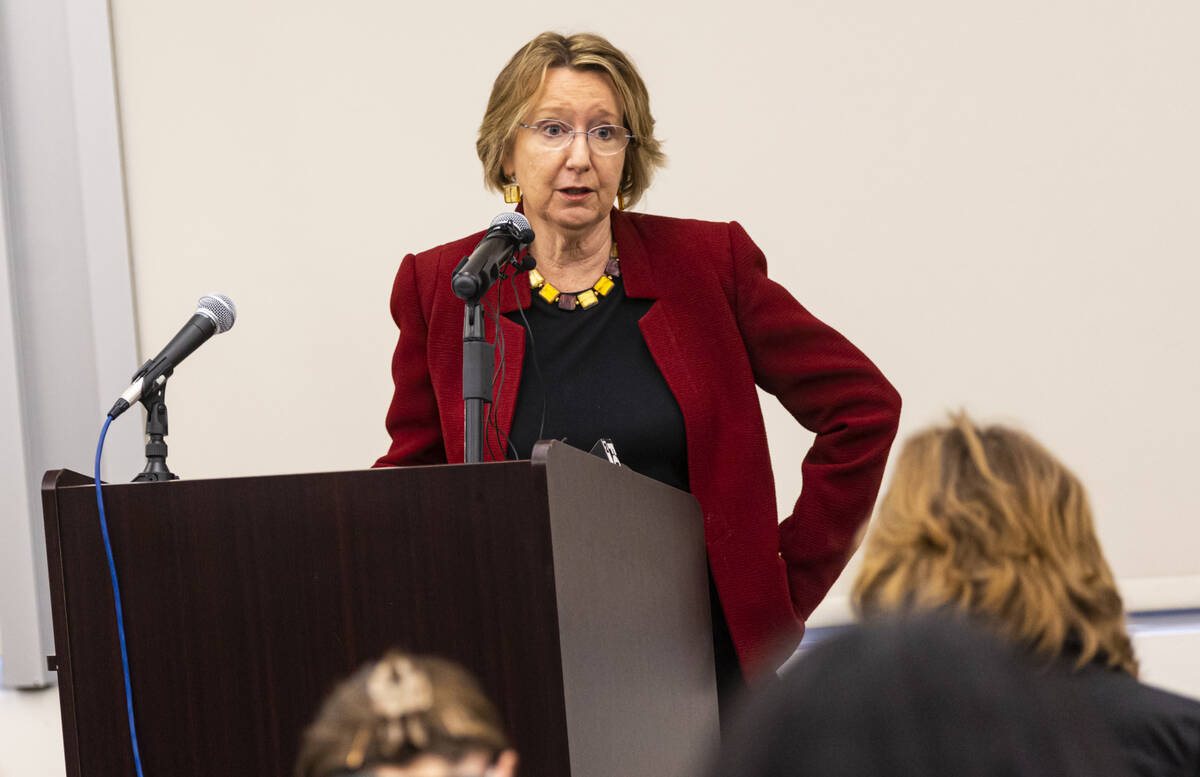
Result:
x=1141 y=595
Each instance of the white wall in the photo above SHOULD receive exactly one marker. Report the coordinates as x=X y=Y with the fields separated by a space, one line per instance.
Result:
x=997 y=202
x=1166 y=646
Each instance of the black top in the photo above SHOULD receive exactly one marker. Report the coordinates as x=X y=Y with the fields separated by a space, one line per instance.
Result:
x=597 y=378
x=594 y=373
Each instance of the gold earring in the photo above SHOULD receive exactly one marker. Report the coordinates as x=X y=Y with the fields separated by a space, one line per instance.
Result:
x=512 y=192
x=620 y=201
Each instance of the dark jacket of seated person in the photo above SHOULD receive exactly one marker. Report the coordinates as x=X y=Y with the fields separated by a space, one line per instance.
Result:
x=925 y=696
x=1157 y=731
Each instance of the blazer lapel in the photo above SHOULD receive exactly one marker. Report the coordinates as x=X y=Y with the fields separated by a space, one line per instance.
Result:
x=637 y=269
x=664 y=328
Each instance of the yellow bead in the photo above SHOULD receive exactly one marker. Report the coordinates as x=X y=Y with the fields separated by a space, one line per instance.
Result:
x=548 y=293
x=535 y=279
x=604 y=285
x=587 y=298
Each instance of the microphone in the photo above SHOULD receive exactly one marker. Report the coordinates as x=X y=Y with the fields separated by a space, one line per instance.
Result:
x=507 y=235
x=525 y=263
x=214 y=314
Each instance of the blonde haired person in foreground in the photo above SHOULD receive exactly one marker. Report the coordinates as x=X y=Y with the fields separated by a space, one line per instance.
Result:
x=986 y=522
x=407 y=716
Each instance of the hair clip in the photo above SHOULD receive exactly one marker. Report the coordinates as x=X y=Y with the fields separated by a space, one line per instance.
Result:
x=398 y=690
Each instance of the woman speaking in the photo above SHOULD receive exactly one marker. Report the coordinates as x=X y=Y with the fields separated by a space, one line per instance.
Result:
x=652 y=332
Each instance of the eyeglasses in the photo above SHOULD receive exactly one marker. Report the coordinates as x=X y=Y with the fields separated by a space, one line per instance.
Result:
x=606 y=140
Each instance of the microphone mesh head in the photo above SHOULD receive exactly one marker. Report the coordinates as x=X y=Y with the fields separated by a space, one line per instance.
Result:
x=508 y=218
x=515 y=224
x=220 y=309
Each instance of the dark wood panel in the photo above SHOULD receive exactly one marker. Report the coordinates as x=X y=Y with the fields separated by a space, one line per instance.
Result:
x=51 y=482
x=247 y=599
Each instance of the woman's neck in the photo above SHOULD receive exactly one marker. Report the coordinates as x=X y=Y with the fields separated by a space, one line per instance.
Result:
x=572 y=261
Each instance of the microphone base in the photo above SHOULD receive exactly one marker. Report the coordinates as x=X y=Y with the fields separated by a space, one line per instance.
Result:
x=155 y=472
x=156 y=446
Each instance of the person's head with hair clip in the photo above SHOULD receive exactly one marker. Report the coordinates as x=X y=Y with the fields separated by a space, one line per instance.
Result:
x=407 y=716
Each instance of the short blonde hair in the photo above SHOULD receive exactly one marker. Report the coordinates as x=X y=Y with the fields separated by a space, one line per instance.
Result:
x=519 y=82
x=988 y=523
x=398 y=708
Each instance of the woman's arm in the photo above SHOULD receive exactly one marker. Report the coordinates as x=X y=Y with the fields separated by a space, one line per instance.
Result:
x=412 y=419
x=833 y=390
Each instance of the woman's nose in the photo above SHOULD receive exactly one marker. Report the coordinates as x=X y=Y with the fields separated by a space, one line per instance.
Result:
x=579 y=153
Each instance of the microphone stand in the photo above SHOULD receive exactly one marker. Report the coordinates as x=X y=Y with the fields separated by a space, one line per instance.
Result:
x=479 y=364
x=479 y=357
x=156 y=429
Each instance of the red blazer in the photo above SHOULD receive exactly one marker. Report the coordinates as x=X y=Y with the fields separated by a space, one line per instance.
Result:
x=718 y=327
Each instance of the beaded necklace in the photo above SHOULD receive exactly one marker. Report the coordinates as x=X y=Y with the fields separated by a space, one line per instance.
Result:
x=583 y=299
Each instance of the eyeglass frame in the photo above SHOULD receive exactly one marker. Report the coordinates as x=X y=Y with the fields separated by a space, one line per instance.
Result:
x=629 y=137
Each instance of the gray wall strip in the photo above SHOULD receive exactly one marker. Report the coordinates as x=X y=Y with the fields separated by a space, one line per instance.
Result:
x=67 y=339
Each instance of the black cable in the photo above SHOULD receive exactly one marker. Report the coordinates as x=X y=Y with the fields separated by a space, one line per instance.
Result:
x=502 y=439
x=497 y=371
x=116 y=589
x=537 y=368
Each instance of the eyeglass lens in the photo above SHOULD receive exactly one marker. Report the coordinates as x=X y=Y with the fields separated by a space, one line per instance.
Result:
x=604 y=139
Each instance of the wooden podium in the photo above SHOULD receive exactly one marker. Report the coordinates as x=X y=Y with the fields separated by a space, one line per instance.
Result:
x=574 y=589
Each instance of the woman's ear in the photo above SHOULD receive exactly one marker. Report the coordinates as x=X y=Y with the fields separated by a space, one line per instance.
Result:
x=506 y=765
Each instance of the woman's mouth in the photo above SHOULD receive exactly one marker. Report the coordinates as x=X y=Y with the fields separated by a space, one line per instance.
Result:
x=575 y=192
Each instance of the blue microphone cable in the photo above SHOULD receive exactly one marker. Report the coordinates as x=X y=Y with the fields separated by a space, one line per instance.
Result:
x=112 y=573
